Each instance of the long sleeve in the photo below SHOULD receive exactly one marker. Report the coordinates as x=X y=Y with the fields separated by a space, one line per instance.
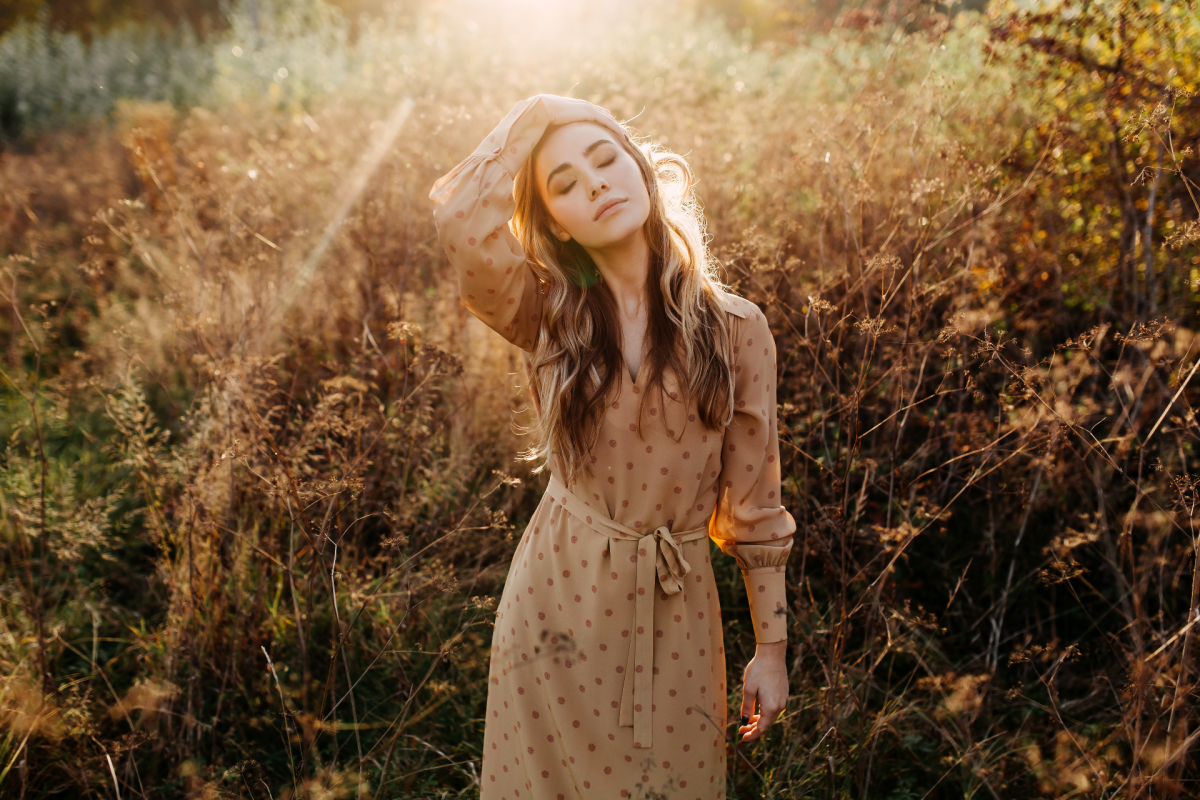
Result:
x=748 y=521
x=472 y=206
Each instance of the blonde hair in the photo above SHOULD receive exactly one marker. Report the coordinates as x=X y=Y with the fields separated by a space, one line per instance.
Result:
x=577 y=355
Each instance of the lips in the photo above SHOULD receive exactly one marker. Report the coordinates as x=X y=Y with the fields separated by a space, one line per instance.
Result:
x=605 y=206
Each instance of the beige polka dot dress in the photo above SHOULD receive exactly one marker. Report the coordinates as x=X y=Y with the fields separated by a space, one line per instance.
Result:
x=607 y=674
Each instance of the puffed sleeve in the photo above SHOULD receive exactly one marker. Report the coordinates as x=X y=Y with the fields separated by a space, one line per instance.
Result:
x=748 y=522
x=472 y=206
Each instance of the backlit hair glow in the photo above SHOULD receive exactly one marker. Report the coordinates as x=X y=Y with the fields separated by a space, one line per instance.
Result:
x=576 y=359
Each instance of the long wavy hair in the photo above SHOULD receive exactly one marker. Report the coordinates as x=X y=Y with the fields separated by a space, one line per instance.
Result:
x=577 y=355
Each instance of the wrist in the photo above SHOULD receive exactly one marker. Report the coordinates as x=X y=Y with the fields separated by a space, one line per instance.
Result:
x=771 y=650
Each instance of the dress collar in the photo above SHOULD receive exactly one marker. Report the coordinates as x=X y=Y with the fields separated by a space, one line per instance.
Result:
x=735 y=305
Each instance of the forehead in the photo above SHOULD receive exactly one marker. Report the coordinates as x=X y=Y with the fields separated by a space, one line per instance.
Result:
x=566 y=144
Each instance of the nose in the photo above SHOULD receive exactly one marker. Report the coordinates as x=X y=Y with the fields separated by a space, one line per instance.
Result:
x=598 y=185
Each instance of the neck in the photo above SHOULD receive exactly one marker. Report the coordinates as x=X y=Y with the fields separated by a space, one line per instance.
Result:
x=625 y=266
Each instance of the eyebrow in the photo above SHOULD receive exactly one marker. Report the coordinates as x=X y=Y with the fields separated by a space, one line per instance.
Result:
x=567 y=164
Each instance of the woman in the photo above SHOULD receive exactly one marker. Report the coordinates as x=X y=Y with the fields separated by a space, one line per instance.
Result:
x=655 y=395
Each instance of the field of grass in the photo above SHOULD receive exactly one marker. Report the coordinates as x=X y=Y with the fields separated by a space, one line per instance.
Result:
x=258 y=492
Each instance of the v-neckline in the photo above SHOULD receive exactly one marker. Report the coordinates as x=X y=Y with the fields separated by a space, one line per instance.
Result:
x=625 y=364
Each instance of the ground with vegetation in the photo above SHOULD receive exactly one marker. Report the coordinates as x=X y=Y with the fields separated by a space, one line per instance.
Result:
x=259 y=493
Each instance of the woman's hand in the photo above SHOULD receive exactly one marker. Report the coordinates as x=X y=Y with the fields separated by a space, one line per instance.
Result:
x=765 y=682
x=569 y=109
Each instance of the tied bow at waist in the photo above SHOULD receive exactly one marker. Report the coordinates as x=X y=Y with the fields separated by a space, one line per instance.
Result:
x=657 y=553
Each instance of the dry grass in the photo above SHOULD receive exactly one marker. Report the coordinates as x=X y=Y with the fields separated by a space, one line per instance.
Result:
x=256 y=517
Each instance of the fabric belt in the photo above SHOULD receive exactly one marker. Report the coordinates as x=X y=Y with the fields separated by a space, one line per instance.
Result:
x=656 y=553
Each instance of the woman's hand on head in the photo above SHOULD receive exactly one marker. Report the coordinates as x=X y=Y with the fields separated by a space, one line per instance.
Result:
x=569 y=109
x=765 y=685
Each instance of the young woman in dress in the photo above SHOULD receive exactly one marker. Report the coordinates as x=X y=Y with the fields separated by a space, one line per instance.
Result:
x=655 y=396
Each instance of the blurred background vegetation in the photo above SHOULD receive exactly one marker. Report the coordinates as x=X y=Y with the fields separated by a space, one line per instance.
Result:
x=258 y=495
x=86 y=17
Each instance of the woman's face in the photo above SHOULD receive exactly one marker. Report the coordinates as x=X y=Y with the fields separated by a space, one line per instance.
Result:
x=592 y=188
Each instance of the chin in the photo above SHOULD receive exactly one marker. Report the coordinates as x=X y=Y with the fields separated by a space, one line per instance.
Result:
x=617 y=233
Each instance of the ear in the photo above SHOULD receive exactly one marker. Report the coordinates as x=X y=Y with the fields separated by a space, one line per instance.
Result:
x=557 y=230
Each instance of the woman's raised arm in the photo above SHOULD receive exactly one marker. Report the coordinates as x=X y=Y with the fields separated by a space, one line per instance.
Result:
x=473 y=204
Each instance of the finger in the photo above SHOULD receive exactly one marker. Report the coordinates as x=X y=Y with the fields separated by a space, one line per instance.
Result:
x=749 y=729
x=572 y=109
x=749 y=695
x=609 y=119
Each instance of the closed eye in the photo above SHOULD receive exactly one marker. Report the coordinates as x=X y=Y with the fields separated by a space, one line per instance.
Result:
x=571 y=185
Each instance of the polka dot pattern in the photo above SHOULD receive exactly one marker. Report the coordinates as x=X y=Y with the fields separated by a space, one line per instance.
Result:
x=565 y=658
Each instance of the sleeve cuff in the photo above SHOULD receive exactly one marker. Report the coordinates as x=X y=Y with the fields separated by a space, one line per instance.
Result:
x=766 y=590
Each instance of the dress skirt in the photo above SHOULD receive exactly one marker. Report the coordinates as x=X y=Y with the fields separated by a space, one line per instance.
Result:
x=560 y=650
